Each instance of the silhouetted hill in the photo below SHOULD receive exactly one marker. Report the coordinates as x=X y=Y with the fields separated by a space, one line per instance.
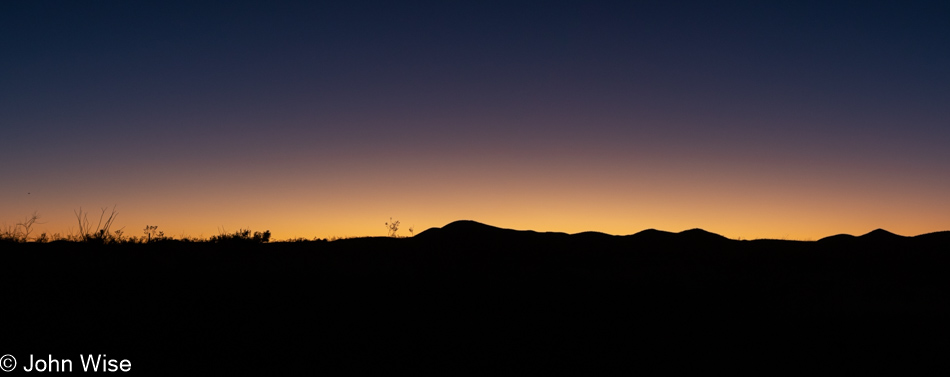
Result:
x=935 y=237
x=464 y=228
x=466 y=234
x=699 y=235
x=652 y=235
x=472 y=230
x=877 y=235
x=838 y=238
x=880 y=235
x=591 y=234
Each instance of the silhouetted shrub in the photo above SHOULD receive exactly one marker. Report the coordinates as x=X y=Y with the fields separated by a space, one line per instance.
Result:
x=302 y=239
x=392 y=227
x=100 y=234
x=9 y=234
x=153 y=234
x=242 y=236
x=21 y=231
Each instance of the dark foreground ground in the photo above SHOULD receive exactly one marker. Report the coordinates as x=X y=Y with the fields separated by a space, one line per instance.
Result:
x=471 y=299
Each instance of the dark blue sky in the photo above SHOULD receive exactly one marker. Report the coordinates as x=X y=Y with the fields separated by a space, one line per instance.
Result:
x=182 y=109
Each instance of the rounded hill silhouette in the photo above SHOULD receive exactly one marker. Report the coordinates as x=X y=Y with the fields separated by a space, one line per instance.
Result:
x=462 y=228
x=700 y=235
x=880 y=235
x=837 y=238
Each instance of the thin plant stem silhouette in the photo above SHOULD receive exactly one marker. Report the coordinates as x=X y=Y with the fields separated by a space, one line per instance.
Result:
x=392 y=227
x=100 y=233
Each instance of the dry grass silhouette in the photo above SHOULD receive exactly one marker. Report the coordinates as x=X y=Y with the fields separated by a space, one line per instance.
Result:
x=100 y=233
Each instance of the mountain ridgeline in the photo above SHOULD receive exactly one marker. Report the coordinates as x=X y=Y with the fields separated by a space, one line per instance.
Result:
x=466 y=234
x=473 y=298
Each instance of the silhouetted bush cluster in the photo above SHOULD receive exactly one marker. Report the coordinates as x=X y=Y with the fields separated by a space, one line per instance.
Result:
x=21 y=231
x=100 y=232
x=243 y=236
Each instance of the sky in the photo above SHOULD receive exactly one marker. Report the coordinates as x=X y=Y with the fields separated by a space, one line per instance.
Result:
x=758 y=119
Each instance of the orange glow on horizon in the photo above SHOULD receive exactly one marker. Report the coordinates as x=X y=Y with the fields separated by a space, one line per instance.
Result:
x=615 y=188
